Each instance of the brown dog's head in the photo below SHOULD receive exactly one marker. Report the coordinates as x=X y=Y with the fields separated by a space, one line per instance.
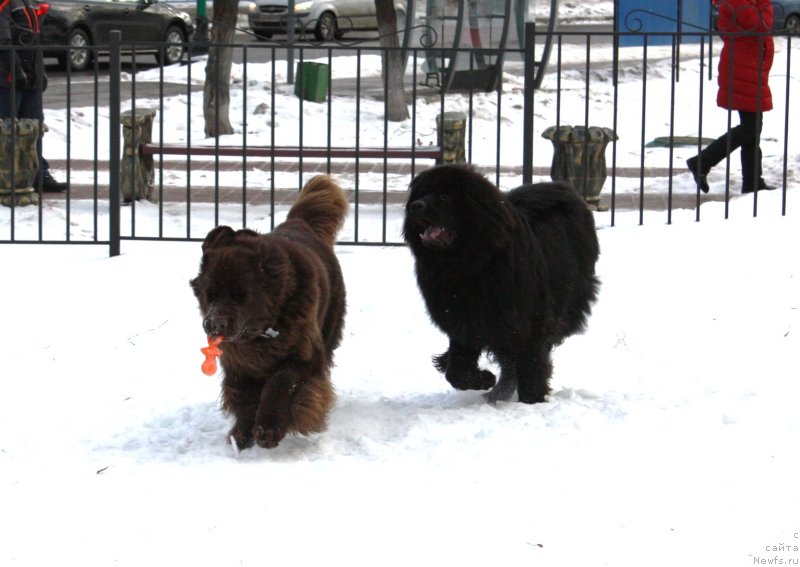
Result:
x=240 y=285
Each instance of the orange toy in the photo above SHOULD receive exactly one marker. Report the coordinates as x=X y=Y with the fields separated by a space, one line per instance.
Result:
x=212 y=351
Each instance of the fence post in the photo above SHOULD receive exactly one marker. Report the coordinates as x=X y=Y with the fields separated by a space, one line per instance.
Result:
x=114 y=77
x=527 y=104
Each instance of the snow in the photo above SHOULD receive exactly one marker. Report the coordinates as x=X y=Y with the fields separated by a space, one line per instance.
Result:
x=670 y=437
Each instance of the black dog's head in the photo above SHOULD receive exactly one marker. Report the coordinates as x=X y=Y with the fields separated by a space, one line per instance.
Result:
x=240 y=284
x=452 y=207
x=431 y=220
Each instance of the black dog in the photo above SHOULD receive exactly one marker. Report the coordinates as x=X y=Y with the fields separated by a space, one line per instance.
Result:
x=509 y=274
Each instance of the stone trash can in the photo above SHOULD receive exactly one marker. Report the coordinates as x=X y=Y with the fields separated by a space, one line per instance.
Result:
x=452 y=135
x=137 y=177
x=579 y=158
x=17 y=177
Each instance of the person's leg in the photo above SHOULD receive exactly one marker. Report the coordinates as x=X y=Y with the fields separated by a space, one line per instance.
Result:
x=721 y=148
x=714 y=153
x=751 y=153
x=10 y=103
x=31 y=107
x=752 y=180
x=11 y=106
x=5 y=102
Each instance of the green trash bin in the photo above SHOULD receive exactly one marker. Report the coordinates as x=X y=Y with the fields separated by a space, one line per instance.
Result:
x=311 y=81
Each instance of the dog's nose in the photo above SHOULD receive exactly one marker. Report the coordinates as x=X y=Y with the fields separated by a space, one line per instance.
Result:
x=417 y=206
x=216 y=325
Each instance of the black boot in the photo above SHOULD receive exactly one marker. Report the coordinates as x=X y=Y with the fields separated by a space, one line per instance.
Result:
x=699 y=177
x=762 y=186
x=50 y=185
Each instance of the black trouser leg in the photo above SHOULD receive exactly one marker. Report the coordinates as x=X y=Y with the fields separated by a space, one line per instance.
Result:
x=751 y=151
x=745 y=136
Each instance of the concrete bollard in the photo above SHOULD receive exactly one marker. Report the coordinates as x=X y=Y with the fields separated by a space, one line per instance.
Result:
x=452 y=136
x=18 y=173
x=579 y=158
x=137 y=177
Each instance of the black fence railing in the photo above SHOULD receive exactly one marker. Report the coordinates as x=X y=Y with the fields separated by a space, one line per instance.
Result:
x=619 y=122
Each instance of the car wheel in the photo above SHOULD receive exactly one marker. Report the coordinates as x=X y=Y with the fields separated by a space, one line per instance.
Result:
x=793 y=24
x=79 y=56
x=174 y=48
x=326 y=27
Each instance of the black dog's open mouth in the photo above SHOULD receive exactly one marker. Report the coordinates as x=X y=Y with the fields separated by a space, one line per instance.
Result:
x=438 y=237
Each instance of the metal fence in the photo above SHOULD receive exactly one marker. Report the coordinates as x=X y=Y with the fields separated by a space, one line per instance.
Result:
x=648 y=109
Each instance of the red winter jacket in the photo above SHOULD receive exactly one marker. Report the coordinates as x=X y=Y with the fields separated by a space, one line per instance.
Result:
x=746 y=51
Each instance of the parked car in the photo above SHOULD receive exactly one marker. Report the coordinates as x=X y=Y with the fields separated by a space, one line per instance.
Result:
x=190 y=7
x=84 y=26
x=787 y=16
x=326 y=19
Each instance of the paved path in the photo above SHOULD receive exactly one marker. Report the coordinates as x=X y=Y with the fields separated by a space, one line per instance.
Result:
x=234 y=194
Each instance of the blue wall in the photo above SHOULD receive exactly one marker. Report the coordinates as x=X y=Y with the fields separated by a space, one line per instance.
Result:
x=654 y=16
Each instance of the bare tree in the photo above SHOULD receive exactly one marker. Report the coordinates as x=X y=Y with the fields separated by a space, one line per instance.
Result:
x=394 y=61
x=216 y=93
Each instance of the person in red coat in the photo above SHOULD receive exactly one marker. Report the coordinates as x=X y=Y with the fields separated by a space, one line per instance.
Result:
x=743 y=80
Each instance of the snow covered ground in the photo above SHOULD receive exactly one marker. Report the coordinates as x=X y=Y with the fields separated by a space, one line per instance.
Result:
x=670 y=437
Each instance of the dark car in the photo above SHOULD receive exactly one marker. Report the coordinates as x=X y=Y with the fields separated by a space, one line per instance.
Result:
x=77 y=30
x=787 y=16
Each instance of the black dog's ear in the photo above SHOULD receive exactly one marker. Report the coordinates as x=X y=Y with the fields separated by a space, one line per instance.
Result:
x=218 y=237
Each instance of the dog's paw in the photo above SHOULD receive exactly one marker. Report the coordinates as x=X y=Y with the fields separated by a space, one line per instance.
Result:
x=484 y=380
x=242 y=438
x=478 y=380
x=268 y=437
x=501 y=393
x=440 y=361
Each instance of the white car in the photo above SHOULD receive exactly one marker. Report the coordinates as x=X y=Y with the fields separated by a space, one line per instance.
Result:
x=326 y=19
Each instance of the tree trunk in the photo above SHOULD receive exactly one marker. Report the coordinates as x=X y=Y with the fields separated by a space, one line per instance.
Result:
x=216 y=93
x=394 y=62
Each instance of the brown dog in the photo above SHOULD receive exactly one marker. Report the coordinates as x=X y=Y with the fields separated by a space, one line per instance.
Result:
x=278 y=301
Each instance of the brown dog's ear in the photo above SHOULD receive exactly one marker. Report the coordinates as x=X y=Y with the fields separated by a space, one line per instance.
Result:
x=273 y=261
x=264 y=256
x=218 y=237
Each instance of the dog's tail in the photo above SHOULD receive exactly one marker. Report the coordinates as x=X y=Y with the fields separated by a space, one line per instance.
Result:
x=323 y=205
